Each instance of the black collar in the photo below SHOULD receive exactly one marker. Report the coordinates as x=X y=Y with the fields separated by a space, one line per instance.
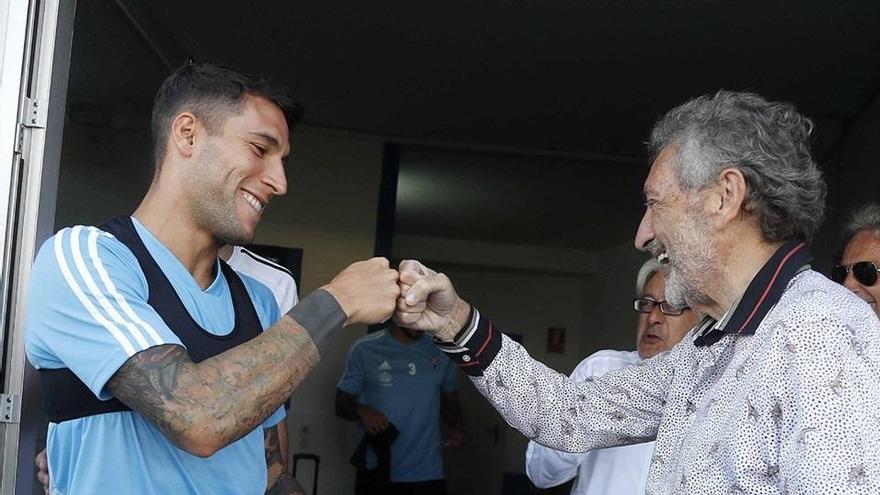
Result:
x=760 y=296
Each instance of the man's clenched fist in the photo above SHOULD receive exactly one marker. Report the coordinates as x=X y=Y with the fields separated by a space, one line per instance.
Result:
x=428 y=302
x=366 y=291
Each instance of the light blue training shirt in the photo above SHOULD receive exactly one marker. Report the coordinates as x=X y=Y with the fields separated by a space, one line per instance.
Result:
x=403 y=382
x=87 y=311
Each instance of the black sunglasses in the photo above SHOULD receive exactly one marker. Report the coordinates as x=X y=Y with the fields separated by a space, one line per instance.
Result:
x=865 y=273
x=647 y=305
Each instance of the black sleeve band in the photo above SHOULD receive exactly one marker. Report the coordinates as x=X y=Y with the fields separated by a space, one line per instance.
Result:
x=320 y=314
x=468 y=326
x=475 y=345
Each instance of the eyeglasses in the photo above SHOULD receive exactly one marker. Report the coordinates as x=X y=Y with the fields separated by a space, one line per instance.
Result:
x=865 y=273
x=647 y=305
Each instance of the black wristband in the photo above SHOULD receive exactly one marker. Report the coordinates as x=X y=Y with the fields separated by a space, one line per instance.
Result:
x=320 y=314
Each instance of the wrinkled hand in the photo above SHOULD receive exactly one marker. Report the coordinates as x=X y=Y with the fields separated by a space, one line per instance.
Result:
x=41 y=462
x=428 y=302
x=372 y=420
x=366 y=291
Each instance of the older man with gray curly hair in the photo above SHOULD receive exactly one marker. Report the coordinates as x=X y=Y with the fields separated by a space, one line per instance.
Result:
x=775 y=391
x=860 y=261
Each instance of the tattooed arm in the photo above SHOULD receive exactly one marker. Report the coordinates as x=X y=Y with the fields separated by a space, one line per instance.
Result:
x=283 y=440
x=274 y=462
x=202 y=407
x=279 y=481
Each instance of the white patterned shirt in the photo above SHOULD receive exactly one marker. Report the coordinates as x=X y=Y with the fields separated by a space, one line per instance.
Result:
x=783 y=397
x=614 y=471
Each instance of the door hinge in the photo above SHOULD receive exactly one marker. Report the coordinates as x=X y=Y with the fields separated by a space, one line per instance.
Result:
x=35 y=113
x=19 y=139
x=34 y=117
x=10 y=408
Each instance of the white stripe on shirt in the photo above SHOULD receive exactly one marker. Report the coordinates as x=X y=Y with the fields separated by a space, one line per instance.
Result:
x=75 y=288
x=96 y=293
x=112 y=290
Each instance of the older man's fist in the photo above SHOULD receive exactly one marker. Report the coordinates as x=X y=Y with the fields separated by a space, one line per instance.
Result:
x=428 y=302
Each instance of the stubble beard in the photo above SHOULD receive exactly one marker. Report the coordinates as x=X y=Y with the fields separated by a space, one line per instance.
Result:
x=214 y=205
x=692 y=264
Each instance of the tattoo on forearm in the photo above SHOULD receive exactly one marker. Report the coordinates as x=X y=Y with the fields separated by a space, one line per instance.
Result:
x=145 y=383
x=274 y=462
x=222 y=398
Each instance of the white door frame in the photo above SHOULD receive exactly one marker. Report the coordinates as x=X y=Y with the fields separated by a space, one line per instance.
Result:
x=36 y=44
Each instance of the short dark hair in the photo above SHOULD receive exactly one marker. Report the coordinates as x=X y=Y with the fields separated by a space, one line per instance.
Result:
x=212 y=93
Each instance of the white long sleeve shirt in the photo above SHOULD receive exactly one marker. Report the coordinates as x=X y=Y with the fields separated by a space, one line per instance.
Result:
x=612 y=471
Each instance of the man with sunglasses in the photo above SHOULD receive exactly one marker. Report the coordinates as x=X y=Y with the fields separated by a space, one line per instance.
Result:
x=622 y=470
x=775 y=392
x=860 y=262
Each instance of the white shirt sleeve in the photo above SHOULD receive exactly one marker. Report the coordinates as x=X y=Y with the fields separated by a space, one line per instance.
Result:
x=285 y=294
x=275 y=277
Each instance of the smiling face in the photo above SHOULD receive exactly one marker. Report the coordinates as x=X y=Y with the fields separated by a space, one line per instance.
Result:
x=236 y=172
x=657 y=332
x=676 y=231
x=864 y=246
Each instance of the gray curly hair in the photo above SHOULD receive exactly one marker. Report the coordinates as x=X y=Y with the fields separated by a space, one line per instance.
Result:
x=867 y=217
x=767 y=141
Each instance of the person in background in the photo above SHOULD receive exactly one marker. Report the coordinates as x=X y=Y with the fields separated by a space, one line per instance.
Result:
x=617 y=470
x=860 y=261
x=397 y=384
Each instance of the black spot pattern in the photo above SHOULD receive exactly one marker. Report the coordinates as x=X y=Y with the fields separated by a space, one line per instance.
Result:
x=791 y=409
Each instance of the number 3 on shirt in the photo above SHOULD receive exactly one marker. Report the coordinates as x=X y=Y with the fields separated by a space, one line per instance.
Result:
x=412 y=368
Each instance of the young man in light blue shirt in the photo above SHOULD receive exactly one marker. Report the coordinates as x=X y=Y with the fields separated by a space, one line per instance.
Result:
x=160 y=366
